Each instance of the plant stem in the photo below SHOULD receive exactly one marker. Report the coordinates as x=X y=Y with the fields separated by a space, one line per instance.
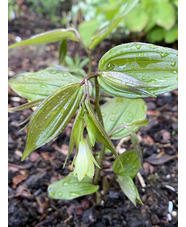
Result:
x=102 y=152
x=90 y=63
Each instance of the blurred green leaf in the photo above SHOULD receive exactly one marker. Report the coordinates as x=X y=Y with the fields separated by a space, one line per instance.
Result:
x=86 y=30
x=130 y=163
x=52 y=116
x=49 y=37
x=120 y=111
x=40 y=84
x=62 y=51
x=137 y=19
x=104 y=31
x=153 y=65
x=156 y=34
x=128 y=187
x=70 y=188
x=172 y=34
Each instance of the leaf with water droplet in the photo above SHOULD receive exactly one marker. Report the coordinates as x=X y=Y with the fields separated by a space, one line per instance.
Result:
x=49 y=119
x=130 y=163
x=133 y=110
x=128 y=187
x=154 y=65
x=70 y=188
x=40 y=84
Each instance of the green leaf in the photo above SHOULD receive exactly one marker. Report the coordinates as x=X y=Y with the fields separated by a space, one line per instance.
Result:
x=87 y=28
x=97 y=129
x=62 y=51
x=104 y=31
x=52 y=116
x=27 y=105
x=122 y=111
x=172 y=34
x=137 y=147
x=151 y=64
x=137 y=19
x=156 y=34
x=76 y=133
x=70 y=188
x=128 y=187
x=49 y=37
x=40 y=84
x=130 y=163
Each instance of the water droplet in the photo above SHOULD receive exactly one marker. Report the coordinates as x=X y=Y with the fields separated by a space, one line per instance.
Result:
x=52 y=191
x=146 y=77
x=138 y=46
x=114 y=112
x=163 y=55
x=173 y=63
x=103 y=114
x=65 y=74
x=110 y=66
x=113 y=119
x=132 y=67
x=59 y=194
x=131 y=114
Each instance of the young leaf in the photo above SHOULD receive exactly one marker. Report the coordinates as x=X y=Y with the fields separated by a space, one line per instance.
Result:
x=76 y=133
x=130 y=163
x=128 y=187
x=120 y=111
x=41 y=84
x=49 y=37
x=70 y=188
x=62 y=51
x=137 y=147
x=27 y=105
x=97 y=129
x=52 y=116
x=148 y=63
x=103 y=32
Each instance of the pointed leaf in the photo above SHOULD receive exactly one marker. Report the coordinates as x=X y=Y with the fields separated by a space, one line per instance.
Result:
x=130 y=163
x=62 y=51
x=27 y=105
x=121 y=111
x=137 y=148
x=52 y=116
x=70 y=188
x=76 y=133
x=103 y=32
x=49 y=37
x=97 y=129
x=40 y=84
x=128 y=187
x=148 y=63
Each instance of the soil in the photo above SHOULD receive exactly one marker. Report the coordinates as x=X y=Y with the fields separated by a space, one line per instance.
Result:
x=28 y=180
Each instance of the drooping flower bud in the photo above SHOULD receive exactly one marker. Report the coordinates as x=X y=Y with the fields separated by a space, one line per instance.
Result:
x=84 y=162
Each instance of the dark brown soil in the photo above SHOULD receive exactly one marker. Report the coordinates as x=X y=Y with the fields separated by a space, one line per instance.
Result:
x=28 y=180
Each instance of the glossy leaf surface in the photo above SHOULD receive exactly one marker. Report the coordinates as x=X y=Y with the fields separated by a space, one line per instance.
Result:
x=148 y=63
x=104 y=31
x=128 y=187
x=40 y=84
x=52 y=116
x=97 y=129
x=130 y=163
x=70 y=188
x=62 y=51
x=49 y=37
x=26 y=105
x=121 y=111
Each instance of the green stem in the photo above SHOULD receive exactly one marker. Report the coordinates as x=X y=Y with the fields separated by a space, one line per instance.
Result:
x=90 y=62
x=102 y=152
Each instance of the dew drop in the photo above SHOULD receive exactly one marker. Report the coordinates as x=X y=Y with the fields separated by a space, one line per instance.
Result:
x=103 y=114
x=132 y=67
x=138 y=46
x=110 y=66
x=173 y=64
x=163 y=55
x=113 y=119
x=131 y=114
x=146 y=77
x=114 y=112
x=52 y=191
x=59 y=194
